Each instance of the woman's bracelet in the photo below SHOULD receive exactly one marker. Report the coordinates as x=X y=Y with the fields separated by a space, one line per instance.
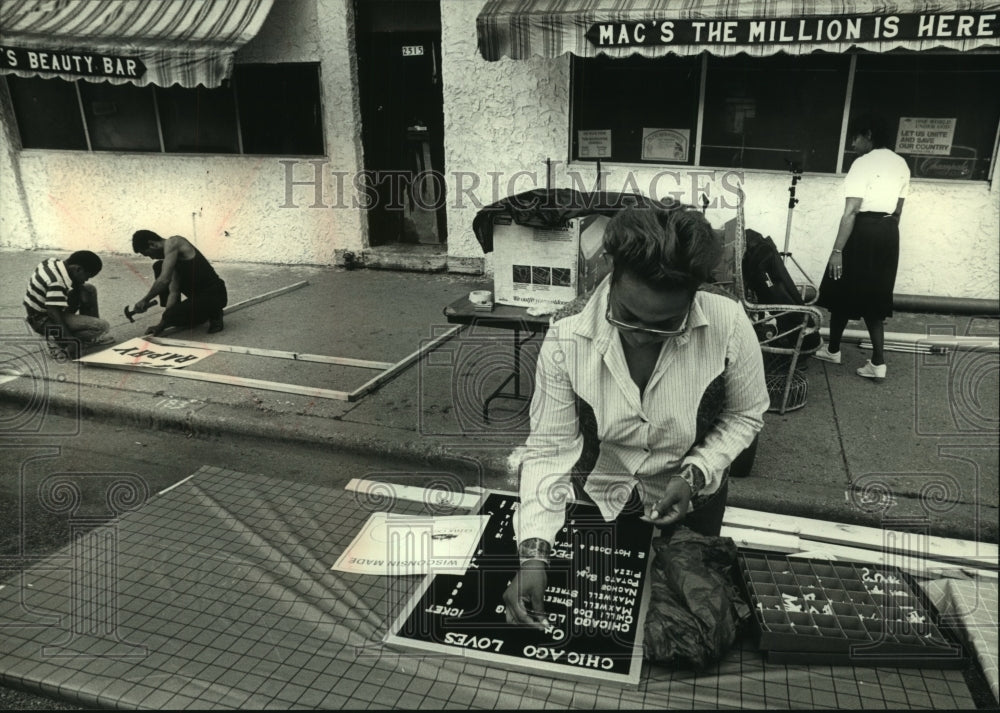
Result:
x=837 y=250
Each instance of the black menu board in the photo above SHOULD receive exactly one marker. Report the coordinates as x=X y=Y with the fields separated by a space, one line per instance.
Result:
x=595 y=602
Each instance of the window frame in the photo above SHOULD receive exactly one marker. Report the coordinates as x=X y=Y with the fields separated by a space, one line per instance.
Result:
x=159 y=124
x=843 y=140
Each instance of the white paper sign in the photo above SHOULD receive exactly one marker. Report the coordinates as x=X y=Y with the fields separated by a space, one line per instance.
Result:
x=594 y=143
x=665 y=144
x=139 y=352
x=925 y=136
x=412 y=544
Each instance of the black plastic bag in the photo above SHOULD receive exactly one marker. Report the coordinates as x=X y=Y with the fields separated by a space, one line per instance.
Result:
x=768 y=280
x=695 y=609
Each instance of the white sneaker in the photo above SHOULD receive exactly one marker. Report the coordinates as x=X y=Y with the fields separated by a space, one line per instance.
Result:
x=823 y=354
x=871 y=371
x=100 y=341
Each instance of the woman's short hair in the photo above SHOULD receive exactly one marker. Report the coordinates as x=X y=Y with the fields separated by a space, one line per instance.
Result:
x=86 y=259
x=142 y=238
x=861 y=124
x=666 y=248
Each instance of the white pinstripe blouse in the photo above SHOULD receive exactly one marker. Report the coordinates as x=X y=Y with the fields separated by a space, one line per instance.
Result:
x=643 y=440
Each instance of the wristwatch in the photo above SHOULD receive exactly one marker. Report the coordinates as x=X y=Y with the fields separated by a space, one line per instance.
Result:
x=692 y=475
x=534 y=548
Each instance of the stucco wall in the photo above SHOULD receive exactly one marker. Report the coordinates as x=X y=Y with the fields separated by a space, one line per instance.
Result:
x=232 y=206
x=501 y=119
x=14 y=217
x=508 y=116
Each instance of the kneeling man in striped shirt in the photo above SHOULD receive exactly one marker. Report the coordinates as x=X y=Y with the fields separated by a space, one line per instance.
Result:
x=62 y=306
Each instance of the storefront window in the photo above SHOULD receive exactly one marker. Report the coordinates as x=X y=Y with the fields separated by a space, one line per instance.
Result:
x=198 y=120
x=47 y=113
x=120 y=118
x=774 y=112
x=942 y=110
x=636 y=110
x=780 y=112
x=278 y=108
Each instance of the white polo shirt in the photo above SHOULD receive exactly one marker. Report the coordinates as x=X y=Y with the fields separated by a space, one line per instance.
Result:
x=879 y=178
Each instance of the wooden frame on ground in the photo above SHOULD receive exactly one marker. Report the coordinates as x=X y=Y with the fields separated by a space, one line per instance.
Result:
x=389 y=370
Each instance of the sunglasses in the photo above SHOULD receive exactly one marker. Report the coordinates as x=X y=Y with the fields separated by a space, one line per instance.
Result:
x=628 y=327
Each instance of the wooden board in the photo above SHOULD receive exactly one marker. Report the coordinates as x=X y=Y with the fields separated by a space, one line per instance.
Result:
x=266 y=296
x=767 y=540
x=399 y=366
x=815 y=532
x=277 y=354
x=390 y=371
x=236 y=381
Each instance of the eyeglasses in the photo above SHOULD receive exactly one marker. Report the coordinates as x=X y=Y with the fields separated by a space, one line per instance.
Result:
x=626 y=327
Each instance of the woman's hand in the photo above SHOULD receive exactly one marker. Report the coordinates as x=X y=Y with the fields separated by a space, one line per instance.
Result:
x=528 y=586
x=835 y=265
x=674 y=504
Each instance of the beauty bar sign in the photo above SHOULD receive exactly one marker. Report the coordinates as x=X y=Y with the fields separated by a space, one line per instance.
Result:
x=61 y=62
x=796 y=30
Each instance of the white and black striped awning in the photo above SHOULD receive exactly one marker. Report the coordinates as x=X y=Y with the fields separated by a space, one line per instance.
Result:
x=162 y=42
x=520 y=29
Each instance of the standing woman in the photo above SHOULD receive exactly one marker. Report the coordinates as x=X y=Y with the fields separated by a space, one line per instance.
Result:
x=861 y=272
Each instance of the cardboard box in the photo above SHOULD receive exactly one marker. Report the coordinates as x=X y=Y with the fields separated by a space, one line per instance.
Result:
x=533 y=266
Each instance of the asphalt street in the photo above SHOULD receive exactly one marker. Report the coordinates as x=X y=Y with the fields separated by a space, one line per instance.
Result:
x=32 y=527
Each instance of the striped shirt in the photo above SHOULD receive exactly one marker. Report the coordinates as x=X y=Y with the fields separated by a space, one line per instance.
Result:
x=49 y=286
x=643 y=439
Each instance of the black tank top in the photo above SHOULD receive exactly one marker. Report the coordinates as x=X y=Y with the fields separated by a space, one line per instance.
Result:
x=197 y=275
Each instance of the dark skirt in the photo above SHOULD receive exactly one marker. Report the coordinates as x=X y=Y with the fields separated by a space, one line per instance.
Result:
x=870 y=258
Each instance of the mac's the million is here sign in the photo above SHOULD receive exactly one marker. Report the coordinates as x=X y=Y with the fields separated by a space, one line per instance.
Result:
x=795 y=30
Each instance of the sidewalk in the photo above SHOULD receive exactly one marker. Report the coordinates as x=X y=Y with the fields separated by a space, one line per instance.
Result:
x=926 y=436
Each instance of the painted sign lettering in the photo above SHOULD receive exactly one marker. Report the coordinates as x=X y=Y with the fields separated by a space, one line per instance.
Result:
x=795 y=30
x=83 y=64
x=139 y=352
x=593 y=604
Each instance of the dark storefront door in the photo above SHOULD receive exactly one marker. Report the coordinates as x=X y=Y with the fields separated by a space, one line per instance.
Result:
x=399 y=68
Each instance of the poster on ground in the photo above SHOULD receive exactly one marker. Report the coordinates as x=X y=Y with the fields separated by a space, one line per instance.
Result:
x=139 y=352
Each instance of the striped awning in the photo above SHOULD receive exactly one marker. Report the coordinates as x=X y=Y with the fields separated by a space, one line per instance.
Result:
x=520 y=29
x=162 y=42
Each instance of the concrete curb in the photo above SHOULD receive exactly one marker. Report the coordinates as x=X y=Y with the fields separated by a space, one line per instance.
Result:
x=210 y=420
x=217 y=420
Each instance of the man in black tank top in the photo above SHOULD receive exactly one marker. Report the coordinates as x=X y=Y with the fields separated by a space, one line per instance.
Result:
x=186 y=283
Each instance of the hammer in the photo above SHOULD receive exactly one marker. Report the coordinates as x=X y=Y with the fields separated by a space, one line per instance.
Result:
x=130 y=314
